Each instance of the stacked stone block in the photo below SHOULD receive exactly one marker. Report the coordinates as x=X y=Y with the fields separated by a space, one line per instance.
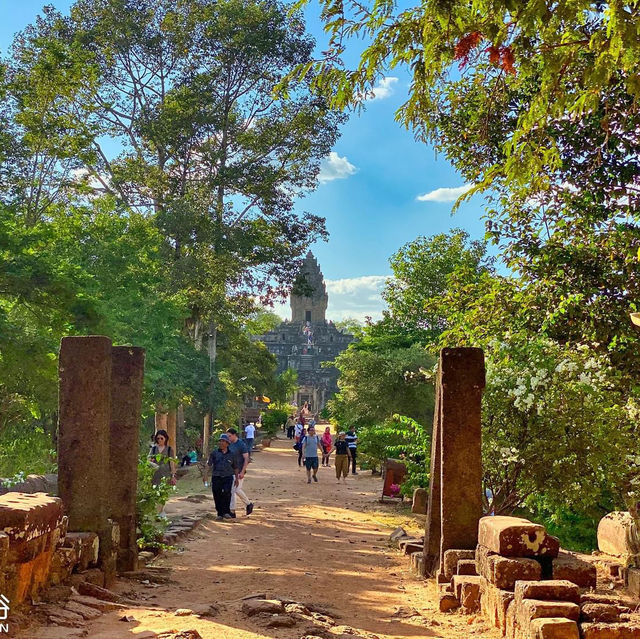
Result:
x=554 y=601
x=99 y=418
x=33 y=527
x=619 y=539
x=528 y=588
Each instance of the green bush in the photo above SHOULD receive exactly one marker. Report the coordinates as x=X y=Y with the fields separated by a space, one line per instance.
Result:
x=374 y=443
x=398 y=438
x=272 y=420
x=26 y=449
x=150 y=500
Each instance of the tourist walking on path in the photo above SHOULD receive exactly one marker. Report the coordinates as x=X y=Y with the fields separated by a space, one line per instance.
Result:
x=290 y=426
x=249 y=436
x=352 y=441
x=298 y=446
x=343 y=456
x=311 y=444
x=239 y=449
x=224 y=474
x=161 y=457
x=327 y=445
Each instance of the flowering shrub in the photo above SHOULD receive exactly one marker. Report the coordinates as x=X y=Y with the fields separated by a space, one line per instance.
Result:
x=556 y=421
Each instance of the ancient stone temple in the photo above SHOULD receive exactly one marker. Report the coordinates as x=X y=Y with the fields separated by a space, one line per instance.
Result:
x=309 y=339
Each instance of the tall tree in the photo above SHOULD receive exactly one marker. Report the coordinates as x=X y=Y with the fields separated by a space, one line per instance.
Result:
x=171 y=111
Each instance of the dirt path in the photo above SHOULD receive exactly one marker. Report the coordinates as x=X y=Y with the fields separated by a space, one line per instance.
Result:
x=324 y=543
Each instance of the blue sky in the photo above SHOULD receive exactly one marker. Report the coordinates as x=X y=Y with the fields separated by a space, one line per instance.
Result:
x=368 y=191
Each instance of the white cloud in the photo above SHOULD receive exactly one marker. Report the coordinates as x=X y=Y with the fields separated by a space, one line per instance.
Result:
x=355 y=285
x=334 y=167
x=384 y=88
x=444 y=194
x=357 y=297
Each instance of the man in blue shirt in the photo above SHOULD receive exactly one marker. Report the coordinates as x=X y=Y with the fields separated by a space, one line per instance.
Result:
x=224 y=473
x=311 y=443
x=241 y=453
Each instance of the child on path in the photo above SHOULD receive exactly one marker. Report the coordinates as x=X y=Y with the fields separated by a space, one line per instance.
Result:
x=224 y=474
x=343 y=456
x=311 y=443
x=327 y=444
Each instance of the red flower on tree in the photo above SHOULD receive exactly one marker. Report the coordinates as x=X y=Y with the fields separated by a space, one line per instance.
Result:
x=503 y=57
x=465 y=46
x=508 y=60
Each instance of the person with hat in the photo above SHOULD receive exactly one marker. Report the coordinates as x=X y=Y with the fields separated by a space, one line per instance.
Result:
x=224 y=475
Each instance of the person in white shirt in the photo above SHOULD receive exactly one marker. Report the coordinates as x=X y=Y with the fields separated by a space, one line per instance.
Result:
x=249 y=436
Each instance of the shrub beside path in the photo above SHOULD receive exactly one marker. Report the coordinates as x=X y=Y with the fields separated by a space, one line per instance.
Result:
x=318 y=552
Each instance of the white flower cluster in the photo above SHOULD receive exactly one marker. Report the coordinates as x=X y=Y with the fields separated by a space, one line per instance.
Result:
x=632 y=409
x=509 y=455
x=566 y=366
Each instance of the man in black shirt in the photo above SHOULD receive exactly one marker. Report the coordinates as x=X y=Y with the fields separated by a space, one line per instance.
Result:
x=224 y=473
x=352 y=442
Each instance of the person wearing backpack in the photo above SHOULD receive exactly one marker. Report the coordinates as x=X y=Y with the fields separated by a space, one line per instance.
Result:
x=161 y=457
x=311 y=444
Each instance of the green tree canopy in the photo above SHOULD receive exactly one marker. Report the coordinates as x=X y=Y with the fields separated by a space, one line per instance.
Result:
x=421 y=270
x=379 y=382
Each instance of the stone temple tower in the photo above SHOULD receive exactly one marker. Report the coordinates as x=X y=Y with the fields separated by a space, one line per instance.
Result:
x=309 y=297
x=308 y=341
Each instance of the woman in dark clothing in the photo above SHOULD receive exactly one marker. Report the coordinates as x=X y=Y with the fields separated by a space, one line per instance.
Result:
x=343 y=456
x=161 y=457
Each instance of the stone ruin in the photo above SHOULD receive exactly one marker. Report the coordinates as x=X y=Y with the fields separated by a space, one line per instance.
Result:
x=508 y=569
x=89 y=532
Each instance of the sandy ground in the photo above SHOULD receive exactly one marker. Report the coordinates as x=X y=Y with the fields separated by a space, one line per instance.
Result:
x=325 y=543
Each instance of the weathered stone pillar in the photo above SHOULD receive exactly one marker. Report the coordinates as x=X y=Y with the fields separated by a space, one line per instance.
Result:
x=172 y=421
x=455 y=495
x=127 y=378
x=462 y=382
x=83 y=437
